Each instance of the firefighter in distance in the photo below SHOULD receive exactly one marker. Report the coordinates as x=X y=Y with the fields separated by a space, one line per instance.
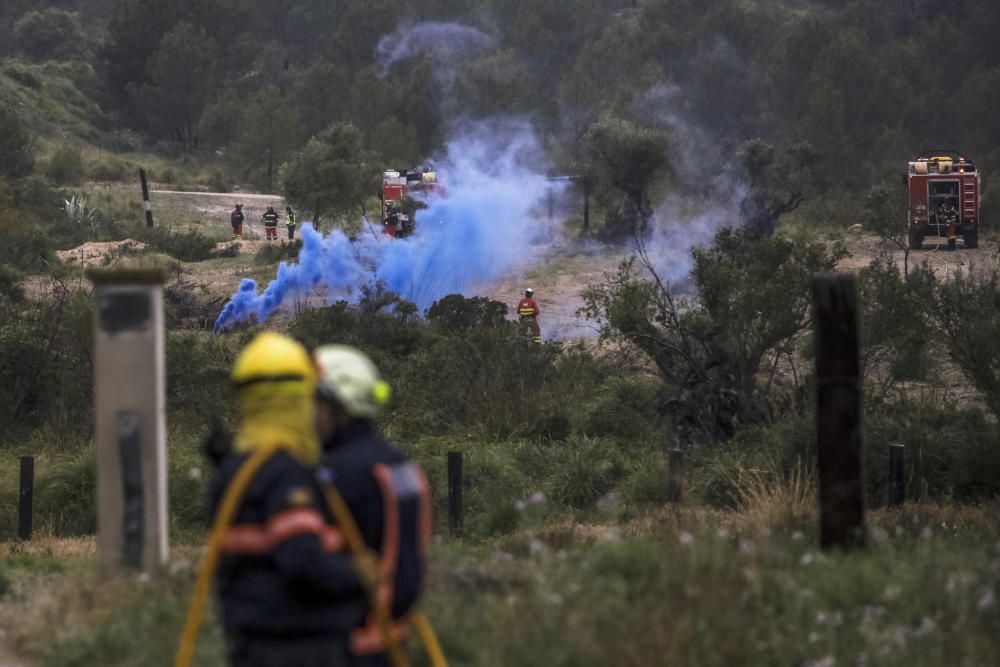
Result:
x=270 y=219
x=236 y=219
x=289 y=593
x=528 y=311
x=386 y=494
x=290 y=222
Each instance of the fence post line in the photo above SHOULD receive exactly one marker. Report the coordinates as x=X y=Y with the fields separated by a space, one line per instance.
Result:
x=455 y=518
x=25 y=500
x=675 y=477
x=145 y=197
x=838 y=412
x=897 y=475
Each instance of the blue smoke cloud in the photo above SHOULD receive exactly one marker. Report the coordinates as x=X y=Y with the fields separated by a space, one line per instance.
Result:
x=484 y=225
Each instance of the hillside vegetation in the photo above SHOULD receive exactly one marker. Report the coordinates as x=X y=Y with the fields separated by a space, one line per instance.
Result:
x=732 y=147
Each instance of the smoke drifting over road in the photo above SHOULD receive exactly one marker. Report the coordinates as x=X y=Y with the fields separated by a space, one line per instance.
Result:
x=484 y=226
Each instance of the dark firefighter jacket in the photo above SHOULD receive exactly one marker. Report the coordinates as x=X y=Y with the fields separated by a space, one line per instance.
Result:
x=284 y=570
x=365 y=468
x=270 y=219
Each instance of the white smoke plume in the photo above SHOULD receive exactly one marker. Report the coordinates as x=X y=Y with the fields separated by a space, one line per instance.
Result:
x=445 y=44
x=706 y=197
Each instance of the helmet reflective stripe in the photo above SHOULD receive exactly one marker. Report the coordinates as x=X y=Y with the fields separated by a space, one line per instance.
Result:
x=273 y=358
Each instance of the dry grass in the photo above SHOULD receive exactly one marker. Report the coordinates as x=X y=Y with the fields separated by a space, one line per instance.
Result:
x=768 y=500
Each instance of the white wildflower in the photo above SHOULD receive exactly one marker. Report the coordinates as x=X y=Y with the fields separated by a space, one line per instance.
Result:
x=686 y=538
x=927 y=626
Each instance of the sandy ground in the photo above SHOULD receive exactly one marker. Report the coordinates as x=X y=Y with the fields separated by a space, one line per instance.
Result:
x=8 y=660
x=864 y=248
x=214 y=207
x=99 y=253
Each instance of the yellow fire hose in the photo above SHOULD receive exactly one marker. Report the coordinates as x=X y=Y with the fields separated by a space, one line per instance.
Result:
x=227 y=510
x=356 y=544
x=203 y=586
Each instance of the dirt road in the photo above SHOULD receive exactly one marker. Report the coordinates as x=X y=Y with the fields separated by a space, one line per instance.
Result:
x=865 y=247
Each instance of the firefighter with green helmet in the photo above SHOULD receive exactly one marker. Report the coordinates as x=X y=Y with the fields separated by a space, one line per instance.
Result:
x=386 y=494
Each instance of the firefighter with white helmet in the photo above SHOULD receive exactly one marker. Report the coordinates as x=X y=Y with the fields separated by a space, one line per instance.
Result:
x=384 y=492
x=528 y=311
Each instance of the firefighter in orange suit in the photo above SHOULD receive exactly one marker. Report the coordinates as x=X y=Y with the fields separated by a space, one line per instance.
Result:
x=289 y=591
x=527 y=311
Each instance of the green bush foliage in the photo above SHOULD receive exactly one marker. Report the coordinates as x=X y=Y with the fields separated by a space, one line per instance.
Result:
x=66 y=167
x=189 y=246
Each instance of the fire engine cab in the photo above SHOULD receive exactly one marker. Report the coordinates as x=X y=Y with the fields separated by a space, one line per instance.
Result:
x=398 y=185
x=943 y=184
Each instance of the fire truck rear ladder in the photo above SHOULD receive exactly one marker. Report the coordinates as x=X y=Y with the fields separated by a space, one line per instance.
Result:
x=969 y=200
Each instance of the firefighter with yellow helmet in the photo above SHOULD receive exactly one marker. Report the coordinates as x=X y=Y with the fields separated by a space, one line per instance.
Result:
x=385 y=494
x=289 y=592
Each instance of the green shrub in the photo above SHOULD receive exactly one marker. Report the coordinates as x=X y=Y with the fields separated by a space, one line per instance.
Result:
x=23 y=75
x=65 y=167
x=647 y=481
x=17 y=145
x=273 y=253
x=109 y=169
x=583 y=471
x=624 y=407
x=51 y=33
x=458 y=313
x=66 y=495
x=186 y=246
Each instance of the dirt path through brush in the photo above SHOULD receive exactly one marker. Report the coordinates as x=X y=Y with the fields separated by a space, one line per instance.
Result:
x=7 y=659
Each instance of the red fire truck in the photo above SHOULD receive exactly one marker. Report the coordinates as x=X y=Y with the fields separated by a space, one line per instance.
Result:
x=940 y=180
x=398 y=185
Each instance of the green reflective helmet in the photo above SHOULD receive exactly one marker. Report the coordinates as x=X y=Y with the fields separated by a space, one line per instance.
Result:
x=349 y=377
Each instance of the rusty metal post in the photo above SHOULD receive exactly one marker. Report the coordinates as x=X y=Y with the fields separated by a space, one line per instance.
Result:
x=25 y=500
x=897 y=476
x=675 y=477
x=455 y=518
x=838 y=412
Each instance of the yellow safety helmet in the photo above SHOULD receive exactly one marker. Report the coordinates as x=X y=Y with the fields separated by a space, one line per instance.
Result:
x=275 y=364
x=351 y=379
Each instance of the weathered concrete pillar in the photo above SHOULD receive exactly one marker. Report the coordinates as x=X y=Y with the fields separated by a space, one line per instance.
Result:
x=130 y=416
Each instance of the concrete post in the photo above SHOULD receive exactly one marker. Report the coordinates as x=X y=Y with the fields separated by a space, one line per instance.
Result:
x=130 y=403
